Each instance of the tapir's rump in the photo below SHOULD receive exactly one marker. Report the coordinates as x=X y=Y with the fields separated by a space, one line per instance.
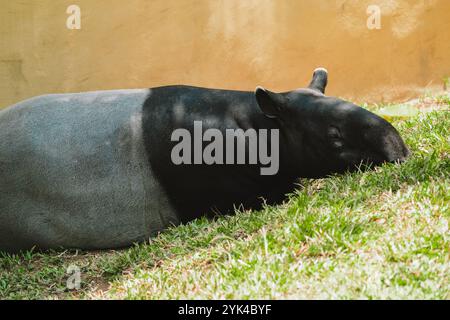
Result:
x=74 y=173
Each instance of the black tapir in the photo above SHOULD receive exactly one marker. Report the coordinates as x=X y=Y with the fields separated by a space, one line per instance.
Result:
x=96 y=170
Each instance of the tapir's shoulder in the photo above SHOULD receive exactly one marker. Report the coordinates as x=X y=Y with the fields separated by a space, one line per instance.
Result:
x=187 y=92
x=191 y=88
x=185 y=99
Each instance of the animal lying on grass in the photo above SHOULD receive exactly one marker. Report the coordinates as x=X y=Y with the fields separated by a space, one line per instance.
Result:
x=107 y=169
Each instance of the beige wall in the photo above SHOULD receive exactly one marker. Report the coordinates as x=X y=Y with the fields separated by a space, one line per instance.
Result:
x=223 y=43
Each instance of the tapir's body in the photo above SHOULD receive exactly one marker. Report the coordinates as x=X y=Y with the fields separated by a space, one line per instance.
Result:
x=94 y=170
x=75 y=169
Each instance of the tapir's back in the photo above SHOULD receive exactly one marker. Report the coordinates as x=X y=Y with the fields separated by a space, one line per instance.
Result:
x=74 y=173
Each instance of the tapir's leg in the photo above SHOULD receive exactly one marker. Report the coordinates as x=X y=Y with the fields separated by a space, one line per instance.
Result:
x=319 y=80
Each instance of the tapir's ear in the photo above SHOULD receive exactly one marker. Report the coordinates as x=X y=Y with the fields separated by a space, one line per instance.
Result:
x=319 y=80
x=271 y=103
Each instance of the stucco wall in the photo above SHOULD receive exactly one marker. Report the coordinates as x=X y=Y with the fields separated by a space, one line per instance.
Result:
x=223 y=43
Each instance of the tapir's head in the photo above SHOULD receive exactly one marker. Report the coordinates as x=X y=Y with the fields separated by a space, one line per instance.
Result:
x=325 y=135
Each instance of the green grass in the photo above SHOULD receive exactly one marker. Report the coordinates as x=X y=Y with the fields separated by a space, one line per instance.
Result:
x=446 y=81
x=380 y=234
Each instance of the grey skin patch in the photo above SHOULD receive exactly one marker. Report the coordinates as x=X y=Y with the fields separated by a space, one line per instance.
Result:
x=74 y=173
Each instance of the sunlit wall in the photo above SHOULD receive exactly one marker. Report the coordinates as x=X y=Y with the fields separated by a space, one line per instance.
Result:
x=235 y=44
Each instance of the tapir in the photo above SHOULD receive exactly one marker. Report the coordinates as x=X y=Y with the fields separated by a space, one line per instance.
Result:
x=94 y=170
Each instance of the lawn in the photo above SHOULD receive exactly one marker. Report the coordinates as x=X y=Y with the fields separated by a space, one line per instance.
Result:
x=381 y=234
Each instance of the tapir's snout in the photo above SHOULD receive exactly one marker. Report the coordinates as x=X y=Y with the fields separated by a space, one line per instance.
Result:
x=395 y=149
x=385 y=141
x=360 y=136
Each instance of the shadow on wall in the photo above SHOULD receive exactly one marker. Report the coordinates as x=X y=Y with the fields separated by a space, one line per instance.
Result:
x=226 y=44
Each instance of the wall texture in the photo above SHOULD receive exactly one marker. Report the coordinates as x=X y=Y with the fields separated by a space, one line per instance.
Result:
x=224 y=43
